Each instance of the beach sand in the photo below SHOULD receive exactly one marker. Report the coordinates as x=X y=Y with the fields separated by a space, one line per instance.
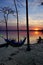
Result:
x=19 y=56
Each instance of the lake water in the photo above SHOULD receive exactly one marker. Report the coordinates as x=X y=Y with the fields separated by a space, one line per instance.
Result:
x=33 y=35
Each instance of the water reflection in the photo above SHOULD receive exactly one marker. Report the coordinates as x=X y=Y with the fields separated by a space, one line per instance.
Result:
x=33 y=35
x=36 y=33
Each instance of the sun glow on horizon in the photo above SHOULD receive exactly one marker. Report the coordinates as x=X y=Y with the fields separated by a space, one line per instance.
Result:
x=36 y=29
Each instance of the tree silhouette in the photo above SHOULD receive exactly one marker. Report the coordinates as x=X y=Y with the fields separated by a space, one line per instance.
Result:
x=6 y=11
x=18 y=3
x=17 y=19
x=28 y=41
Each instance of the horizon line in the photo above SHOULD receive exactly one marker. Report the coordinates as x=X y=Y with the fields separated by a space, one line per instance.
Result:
x=21 y=30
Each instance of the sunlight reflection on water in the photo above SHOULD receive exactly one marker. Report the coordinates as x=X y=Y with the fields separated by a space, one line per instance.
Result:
x=13 y=35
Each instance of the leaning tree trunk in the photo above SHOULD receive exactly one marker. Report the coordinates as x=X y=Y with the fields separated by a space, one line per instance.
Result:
x=17 y=20
x=6 y=19
x=18 y=26
x=28 y=41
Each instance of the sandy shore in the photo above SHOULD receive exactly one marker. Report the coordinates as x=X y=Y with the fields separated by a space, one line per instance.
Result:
x=19 y=56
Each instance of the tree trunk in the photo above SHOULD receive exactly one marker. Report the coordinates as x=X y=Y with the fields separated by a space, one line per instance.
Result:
x=6 y=31
x=28 y=41
x=17 y=20
x=17 y=26
x=6 y=19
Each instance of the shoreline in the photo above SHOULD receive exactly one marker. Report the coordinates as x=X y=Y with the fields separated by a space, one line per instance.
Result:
x=19 y=56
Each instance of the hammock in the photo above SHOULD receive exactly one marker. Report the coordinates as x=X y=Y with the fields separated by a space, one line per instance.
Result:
x=12 y=43
x=15 y=43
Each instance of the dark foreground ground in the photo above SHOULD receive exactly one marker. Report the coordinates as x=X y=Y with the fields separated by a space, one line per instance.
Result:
x=19 y=56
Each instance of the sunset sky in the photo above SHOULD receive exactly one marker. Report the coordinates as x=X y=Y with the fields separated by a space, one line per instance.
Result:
x=35 y=10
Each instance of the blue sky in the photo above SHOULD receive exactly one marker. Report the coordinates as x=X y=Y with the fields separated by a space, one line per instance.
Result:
x=35 y=10
x=10 y=4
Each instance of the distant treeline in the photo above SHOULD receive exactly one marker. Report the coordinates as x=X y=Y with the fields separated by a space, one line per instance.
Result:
x=23 y=30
